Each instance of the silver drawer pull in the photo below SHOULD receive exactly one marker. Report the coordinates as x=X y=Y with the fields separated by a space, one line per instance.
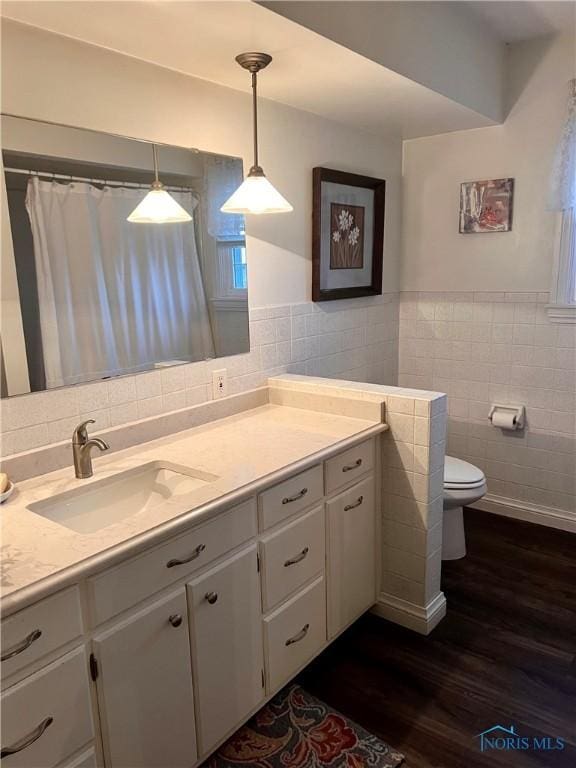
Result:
x=350 y=467
x=211 y=597
x=197 y=552
x=27 y=740
x=22 y=645
x=299 y=495
x=357 y=503
x=298 y=636
x=297 y=558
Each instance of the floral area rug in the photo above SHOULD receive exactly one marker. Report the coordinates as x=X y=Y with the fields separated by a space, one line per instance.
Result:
x=295 y=730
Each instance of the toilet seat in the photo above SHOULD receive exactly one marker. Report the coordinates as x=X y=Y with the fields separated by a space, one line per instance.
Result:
x=461 y=476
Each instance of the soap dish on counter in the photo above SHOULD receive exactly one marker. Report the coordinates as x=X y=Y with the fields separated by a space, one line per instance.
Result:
x=5 y=495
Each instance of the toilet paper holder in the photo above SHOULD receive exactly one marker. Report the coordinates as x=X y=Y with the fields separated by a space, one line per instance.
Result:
x=518 y=413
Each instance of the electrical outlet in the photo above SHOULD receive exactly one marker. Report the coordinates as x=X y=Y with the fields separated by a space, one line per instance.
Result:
x=219 y=383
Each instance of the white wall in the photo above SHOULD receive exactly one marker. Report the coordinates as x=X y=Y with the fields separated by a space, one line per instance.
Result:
x=435 y=256
x=54 y=78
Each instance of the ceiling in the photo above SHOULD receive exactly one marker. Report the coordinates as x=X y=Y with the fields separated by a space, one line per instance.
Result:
x=309 y=72
x=521 y=20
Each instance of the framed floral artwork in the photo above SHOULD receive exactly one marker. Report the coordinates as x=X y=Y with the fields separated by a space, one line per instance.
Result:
x=348 y=235
x=486 y=206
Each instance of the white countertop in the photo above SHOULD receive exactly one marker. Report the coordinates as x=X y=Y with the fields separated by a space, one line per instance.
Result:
x=245 y=452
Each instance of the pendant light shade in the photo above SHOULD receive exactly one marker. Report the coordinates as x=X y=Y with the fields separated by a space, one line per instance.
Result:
x=158 y=207
x=256 y=194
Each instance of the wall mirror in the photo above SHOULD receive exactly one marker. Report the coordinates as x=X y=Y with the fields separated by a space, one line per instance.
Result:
x=88 y=295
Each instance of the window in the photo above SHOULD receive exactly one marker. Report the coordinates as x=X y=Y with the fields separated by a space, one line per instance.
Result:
x=239 y=276
x=233 y=277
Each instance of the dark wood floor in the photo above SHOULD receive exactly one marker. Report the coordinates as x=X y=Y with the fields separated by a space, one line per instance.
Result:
x=504 y=654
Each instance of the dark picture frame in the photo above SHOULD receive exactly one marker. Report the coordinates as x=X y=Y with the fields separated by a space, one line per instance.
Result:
x=328 y=256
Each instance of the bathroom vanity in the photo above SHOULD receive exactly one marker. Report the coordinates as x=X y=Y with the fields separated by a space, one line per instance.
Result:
x=150 y=647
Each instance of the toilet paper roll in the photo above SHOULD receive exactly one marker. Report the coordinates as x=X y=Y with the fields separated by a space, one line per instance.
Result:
x=504 y=420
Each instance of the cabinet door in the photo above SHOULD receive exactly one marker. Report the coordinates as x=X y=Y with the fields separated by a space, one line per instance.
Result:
x=351 y=556
x=226 y=630
x=145 y=688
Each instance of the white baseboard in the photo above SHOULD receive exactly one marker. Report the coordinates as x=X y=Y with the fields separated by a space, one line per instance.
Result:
x=419 y=618
x=531 y=513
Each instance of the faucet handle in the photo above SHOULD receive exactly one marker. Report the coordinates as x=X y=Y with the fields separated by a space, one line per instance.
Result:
x=80 y=436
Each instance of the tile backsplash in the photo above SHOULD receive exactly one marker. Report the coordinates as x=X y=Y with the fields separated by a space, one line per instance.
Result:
x=356 y=339
x=482 y=348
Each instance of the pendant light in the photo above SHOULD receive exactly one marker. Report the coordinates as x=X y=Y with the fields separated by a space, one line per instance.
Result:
x=158 y=207
x=255 y=194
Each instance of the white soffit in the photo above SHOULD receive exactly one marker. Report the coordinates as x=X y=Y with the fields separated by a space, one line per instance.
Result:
x=517 y=20
x=309 y=72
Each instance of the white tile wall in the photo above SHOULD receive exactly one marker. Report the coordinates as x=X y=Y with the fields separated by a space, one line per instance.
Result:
x=412 y=494
x=482 y=348
x=356 y=339
x=412 y=459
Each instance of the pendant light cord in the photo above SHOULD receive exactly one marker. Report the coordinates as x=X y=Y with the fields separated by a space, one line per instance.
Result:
x=255 y=117
x=155 y=156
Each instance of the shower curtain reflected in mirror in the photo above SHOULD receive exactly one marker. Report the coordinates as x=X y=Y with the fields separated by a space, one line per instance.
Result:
x=114 y=297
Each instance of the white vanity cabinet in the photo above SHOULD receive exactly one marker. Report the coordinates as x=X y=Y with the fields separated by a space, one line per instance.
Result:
x=189 y=638
x=47 y=716
x=351 y=529
x=46 y=710
x=144 y=687
x=225 y=627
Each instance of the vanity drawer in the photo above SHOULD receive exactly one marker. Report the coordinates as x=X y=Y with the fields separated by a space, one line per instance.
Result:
x=126 y=585
x=292 y=556
x=291 y=496
x=47 y=717
x=38 y=631
x=346 y=467
x=295 y=633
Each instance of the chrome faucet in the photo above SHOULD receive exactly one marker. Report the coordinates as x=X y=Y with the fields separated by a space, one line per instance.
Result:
x=82 y=447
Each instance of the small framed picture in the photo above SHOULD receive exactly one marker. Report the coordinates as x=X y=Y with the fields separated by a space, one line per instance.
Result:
x=347 y=235
x=486 y=206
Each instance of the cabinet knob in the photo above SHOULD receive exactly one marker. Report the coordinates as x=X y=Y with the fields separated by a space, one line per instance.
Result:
x=175 y=619
x=211 y=597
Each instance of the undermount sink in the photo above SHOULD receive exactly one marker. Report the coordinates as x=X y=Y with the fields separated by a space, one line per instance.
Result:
x=113 y=499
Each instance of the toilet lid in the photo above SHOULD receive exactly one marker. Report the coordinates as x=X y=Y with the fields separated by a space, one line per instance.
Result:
x=461 y=474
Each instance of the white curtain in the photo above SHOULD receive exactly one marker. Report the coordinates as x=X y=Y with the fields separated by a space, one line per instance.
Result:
x=563 y=199
x=563 y=191
x=114 y=297
x=223 y=176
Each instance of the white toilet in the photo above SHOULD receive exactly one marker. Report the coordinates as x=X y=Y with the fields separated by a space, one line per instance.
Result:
x=463 y=484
